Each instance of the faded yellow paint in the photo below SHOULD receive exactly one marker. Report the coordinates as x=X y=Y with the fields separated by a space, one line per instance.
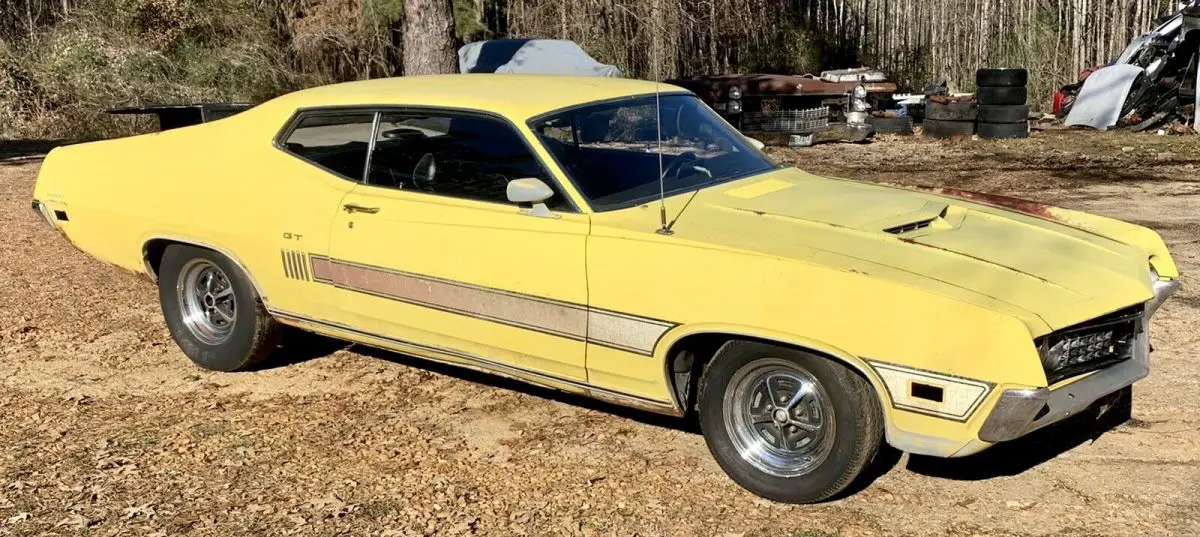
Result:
x=785 y=256
x=759 y=188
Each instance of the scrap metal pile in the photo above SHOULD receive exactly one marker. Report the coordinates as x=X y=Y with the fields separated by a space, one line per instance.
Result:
x=1152 y=85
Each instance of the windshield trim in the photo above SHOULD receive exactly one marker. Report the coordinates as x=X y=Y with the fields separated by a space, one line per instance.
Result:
x=533 y=121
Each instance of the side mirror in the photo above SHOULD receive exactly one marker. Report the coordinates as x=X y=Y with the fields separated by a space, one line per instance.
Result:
x=533 y=191
x=756 y=143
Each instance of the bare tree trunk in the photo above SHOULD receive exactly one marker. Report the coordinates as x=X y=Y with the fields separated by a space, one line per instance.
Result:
x=29 y=19
x=429 y=37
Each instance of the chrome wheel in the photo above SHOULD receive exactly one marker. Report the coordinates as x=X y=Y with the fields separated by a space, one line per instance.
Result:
x=779 y=418
x=207 y=301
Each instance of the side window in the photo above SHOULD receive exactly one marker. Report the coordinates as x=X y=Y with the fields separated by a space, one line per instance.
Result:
x=460 y=156
x=336 y=142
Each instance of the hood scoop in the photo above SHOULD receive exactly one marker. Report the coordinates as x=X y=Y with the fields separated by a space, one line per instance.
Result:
x=909 y=228
x=938 y=221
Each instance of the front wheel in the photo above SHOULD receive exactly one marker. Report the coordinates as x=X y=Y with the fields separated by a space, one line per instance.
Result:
x=785 y=424
x=212 y=310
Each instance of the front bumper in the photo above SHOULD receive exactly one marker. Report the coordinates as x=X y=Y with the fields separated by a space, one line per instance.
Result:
x=1019 y=412
x=44 y=212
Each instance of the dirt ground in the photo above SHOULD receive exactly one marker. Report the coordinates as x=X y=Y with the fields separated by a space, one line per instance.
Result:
x=107 y=429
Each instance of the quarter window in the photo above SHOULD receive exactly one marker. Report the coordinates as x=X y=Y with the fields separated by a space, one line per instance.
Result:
x=456 y=155
x=337 y=142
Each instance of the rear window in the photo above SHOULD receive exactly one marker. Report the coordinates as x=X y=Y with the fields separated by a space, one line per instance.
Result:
x=336 y=142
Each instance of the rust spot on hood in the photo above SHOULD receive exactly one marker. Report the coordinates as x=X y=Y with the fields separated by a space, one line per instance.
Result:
x=1032 y=208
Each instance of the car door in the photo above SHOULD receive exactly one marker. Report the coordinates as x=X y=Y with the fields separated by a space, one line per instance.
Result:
x=429 y=251
x=323 y=155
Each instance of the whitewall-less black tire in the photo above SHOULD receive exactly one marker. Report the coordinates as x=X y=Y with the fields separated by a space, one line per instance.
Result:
x=213 y=311
x=785 y=424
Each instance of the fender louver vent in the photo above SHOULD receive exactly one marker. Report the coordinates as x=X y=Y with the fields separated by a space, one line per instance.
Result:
x=295 y=265
x=908 y=228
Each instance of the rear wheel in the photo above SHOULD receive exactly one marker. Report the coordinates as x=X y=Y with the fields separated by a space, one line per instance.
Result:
x=786 y=424
x=212 y=310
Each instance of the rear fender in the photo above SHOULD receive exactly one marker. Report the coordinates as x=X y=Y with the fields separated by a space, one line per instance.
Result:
x=154 y=244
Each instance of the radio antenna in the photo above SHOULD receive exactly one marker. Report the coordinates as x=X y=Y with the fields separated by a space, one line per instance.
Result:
x=662 y=189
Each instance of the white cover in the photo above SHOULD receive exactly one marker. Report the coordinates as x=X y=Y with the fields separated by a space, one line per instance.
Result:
x=531 y=57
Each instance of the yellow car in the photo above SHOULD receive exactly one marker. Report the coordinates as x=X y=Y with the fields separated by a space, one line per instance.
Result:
x=561 y=231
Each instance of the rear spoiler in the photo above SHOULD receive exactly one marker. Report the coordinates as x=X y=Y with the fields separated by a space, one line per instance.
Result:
x=174 y=116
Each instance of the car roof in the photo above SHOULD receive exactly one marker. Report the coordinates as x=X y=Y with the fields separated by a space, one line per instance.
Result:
x=518 y=97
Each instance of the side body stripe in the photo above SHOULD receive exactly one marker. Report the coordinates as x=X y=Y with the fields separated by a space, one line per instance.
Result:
x=479 y=362
x=620 y=331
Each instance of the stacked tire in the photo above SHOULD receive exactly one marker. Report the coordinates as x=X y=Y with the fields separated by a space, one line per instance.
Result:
x=949 y=118
x=1002 y=95
x=902 y=125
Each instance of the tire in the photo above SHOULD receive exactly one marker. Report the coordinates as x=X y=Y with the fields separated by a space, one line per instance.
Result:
x=892 y=125
x=1004 y=114
x=951 y=111
x=211 y=340
x=996 y=131
x=996 y=95
x=1010 y=78
x=947 y=129
x=843 y=407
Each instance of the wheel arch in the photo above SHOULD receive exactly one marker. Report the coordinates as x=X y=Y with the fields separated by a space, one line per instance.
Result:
x=154 y=247
x=703 y=341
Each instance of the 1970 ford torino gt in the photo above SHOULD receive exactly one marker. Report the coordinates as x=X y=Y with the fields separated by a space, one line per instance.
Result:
x=515 y=224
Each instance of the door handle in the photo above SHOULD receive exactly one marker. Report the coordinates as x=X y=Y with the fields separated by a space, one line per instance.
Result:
x=353 y=208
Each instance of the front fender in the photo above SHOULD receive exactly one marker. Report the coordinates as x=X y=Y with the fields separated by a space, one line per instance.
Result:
x=666 y=344
x=1142 y=237
x=908 y=431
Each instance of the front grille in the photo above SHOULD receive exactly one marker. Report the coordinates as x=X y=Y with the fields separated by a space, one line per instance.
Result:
x=793 y=121
x=1091 y=345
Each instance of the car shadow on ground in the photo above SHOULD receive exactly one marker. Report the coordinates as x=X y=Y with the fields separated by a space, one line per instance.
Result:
x=299 y=346
x=1020 y=455
x=1005 y=459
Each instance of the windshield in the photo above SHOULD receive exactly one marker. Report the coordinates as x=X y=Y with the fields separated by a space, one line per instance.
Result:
x=611 y=150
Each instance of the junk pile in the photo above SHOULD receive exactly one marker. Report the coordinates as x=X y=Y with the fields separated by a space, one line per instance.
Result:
x=997 y=110
x=1152 y=85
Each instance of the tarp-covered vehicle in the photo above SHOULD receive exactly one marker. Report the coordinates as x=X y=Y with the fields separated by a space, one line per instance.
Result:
x=531 y=57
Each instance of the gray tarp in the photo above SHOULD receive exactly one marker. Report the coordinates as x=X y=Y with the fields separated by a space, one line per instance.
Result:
x=531 y=57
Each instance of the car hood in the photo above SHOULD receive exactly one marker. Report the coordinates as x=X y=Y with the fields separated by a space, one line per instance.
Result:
x=1022 y=262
